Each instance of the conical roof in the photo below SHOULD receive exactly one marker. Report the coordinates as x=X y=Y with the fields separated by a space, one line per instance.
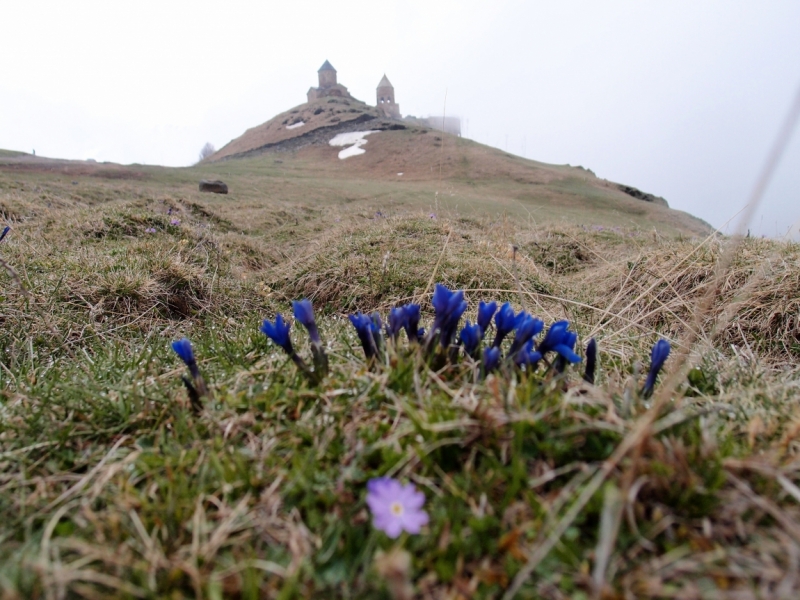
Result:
x=326 y=66
x=385 y=82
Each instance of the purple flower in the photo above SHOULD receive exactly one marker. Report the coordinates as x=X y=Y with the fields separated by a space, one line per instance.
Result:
x=395 y=507
x=150 y=230
x=175 y=222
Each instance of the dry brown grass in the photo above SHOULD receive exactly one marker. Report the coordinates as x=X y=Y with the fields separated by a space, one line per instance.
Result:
x=757 y=306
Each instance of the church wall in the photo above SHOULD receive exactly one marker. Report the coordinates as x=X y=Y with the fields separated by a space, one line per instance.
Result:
x=327 y=78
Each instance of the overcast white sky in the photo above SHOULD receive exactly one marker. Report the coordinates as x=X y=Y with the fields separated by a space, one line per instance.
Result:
x=679 y=98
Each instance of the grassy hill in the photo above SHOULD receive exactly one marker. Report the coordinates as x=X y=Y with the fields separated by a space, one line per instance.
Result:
x=410 y=166
x=112 y=484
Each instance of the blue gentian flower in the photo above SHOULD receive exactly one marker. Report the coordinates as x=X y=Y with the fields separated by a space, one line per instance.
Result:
x=558 y=339
x=591 y=361
x=448 y=306
x=485 y=313
x=470 y=337
x=527 y=356
x=566 y=351
x=504 y=322
x=279 y=333
x=364 y=328
x=412 y=313
x=6 y=229
x=491 y=359
x=304 y=312
x=377 y=330
x=658 y=356
x=183 y=348
x=397 y=321
x=526 y=328
x=197 y=385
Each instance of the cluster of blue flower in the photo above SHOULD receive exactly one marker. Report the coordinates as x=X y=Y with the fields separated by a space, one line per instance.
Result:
x=449 y=306
x=440 y=340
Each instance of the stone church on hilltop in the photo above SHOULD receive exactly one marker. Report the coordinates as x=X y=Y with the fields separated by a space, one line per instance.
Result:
x=329 y=87
x=384 y=100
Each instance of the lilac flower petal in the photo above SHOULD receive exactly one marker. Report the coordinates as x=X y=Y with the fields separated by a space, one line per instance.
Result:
x=395 y=507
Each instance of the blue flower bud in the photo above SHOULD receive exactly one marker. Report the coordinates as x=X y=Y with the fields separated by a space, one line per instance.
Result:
x=504 y=322
x=183 y=348
x=397 y=321
x=491 y=359
x=485 y=314
x=5 y=231
x=448 y=307
x=561 y=341
x=527 y=356
x=279 y=333
x=304 y=312
x=364 y=328
x=526 y=328
x=412 y=313
x=470 y=337
x=658 y=355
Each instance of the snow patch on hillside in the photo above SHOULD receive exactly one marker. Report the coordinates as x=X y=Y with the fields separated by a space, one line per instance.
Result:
x=295 y=125
x=353 y=139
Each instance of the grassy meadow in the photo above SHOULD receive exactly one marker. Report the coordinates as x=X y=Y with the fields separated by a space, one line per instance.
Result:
x=537 y=485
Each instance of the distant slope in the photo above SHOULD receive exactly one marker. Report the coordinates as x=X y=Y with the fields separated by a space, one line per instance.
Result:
x=416 y=160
